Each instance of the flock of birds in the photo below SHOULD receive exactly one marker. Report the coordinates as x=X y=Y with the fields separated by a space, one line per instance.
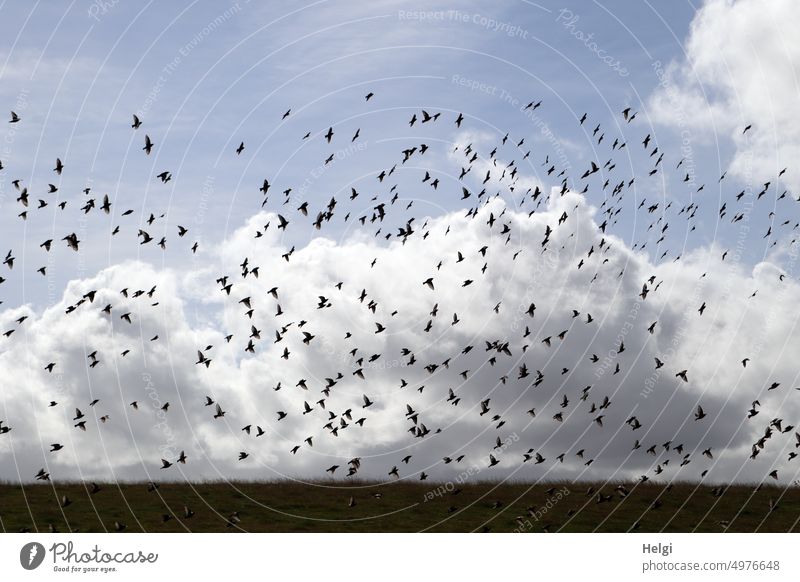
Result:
x=293 y=331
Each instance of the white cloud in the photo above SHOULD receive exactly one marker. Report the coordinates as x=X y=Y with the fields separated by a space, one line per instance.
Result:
x=740 y=69
x=192 y=312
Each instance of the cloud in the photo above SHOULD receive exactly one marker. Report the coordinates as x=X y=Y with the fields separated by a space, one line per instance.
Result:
x=740 y=69
x=580 y=268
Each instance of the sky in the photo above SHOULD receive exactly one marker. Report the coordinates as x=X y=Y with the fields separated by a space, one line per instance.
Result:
x=713 y=85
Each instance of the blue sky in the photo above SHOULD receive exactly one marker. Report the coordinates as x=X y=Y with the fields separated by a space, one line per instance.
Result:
x=205 y=76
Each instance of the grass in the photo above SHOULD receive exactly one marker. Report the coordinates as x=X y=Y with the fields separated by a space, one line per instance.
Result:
x=289 y=506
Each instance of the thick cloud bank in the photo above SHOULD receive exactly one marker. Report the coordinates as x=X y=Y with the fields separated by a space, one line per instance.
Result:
x=578 y=286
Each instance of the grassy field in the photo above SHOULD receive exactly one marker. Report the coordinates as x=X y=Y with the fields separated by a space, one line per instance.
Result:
x=398 y=507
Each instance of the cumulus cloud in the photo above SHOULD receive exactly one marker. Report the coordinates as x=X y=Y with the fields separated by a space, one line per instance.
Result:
x=740 y=69
x=416 y=361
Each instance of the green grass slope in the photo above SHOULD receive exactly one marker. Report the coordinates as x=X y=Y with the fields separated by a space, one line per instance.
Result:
x=357 y=506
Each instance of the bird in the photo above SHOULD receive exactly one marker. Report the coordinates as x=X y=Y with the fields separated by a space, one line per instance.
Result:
x=201 y=359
